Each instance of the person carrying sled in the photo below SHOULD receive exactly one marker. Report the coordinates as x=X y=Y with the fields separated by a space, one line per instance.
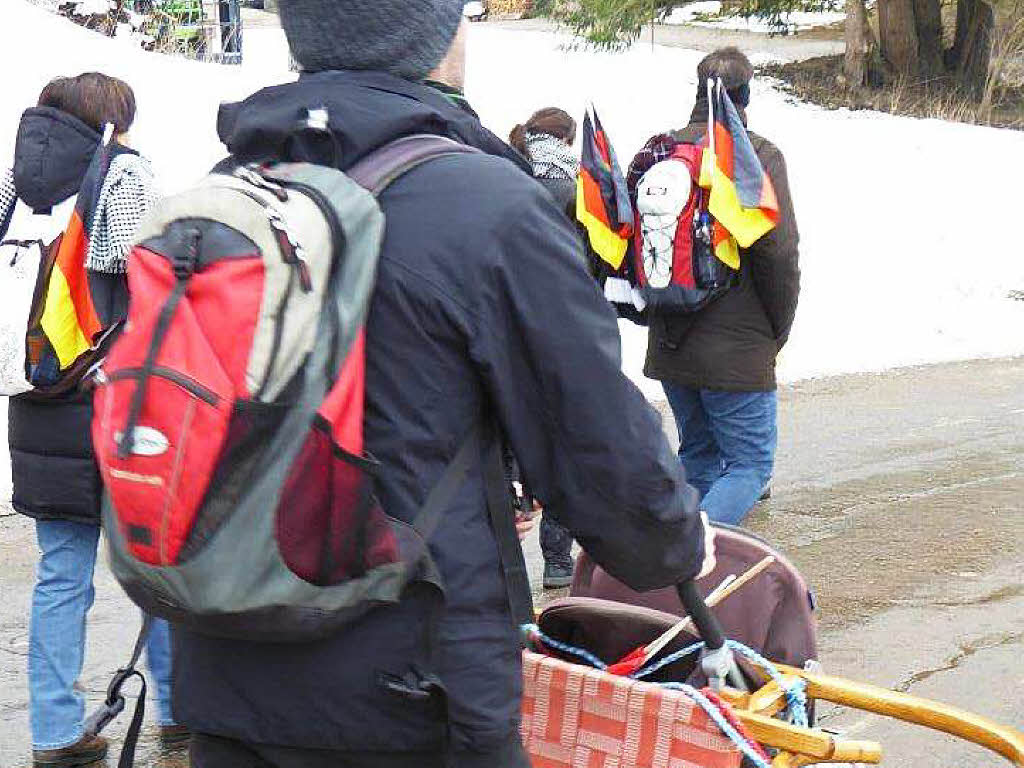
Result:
x=479 y=281
x=56 y=178
x=717 y=364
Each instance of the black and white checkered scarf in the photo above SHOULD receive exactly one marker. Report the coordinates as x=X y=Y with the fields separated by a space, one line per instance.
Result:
x=552 y=158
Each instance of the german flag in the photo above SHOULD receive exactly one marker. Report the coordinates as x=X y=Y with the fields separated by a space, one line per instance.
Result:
x=69 y=317
x=602 y=200
x=742 y=199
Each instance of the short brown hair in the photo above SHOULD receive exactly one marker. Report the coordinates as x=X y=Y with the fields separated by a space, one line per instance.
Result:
x=94 y=98
x=730 y=64
x=550 y=120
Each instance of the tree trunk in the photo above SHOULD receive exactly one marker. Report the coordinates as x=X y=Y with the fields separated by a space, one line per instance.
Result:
x=977 y=49
x=964 y=10
x=897 y=32
x=928 y=17
x=856 y=28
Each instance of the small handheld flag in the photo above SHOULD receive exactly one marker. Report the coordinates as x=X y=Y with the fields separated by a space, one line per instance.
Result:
x=742 y=199
x=69 y=318
x=602 y=200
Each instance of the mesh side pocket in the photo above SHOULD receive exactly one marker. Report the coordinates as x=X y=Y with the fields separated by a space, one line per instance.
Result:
x=330 y=527
x=250 y=430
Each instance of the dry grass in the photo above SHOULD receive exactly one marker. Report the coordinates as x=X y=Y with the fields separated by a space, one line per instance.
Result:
x=1002 y=102
x=820 y=81
x=1007 y=65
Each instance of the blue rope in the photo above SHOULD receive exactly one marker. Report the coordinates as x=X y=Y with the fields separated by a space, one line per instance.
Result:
x=672 y=658
x=532 y=630
x=719 y=719
x=796 y=692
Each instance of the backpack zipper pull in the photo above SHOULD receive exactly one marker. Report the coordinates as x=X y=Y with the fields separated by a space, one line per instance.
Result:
x=291 y=252
x=252 y=175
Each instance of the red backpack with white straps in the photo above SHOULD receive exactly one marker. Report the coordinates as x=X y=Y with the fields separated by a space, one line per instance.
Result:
x=674 y=270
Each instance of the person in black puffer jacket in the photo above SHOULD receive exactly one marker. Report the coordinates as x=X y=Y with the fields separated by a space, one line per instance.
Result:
x=56 y=480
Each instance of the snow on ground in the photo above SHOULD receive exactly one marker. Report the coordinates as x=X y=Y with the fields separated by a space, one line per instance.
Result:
x=177 y=99
x=908 y=252
x=699 y=13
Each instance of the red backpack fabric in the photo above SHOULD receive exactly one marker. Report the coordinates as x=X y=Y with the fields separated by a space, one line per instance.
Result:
x=673 y=268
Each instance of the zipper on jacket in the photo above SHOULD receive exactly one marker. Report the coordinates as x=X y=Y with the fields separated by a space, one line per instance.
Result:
x=185 y=382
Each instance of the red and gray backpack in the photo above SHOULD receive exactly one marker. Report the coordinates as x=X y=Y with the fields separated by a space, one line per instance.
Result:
x=228 y=419
x=229 y=414
x=674 y=269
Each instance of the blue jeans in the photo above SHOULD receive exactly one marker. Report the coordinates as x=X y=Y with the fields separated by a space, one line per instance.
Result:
x=727 y=446
x=63 y=596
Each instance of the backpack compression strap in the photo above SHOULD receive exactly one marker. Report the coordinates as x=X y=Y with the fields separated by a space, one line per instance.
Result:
x=114 y=703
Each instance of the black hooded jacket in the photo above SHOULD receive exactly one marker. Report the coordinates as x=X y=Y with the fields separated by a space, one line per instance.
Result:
x=482 y=306
x=52 y=462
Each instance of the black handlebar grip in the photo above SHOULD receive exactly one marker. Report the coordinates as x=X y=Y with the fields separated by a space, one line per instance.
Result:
x=705 y=621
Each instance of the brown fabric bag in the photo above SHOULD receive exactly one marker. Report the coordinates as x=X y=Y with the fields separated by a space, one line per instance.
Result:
x=773 y=614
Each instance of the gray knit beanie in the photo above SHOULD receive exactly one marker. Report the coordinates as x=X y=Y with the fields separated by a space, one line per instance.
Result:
x=408 y=38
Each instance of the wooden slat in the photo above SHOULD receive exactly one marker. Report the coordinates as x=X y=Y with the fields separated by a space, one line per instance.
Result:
x=806 y=742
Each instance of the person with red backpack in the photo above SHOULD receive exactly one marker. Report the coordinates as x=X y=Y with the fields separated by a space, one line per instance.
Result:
x=76 y=197
x=716 y=329
x=301 y=431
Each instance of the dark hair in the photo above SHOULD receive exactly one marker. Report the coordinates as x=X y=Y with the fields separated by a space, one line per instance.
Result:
x=93 y=98
x=735 y=69
x=550 y=120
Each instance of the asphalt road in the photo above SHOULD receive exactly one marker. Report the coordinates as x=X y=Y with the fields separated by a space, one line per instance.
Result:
x=898 y=495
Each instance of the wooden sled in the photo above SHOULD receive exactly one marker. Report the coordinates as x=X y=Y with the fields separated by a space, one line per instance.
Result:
x=579 y=716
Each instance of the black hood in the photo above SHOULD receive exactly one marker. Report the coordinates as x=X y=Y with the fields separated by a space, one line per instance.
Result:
x=366 y=110
x=51 y=155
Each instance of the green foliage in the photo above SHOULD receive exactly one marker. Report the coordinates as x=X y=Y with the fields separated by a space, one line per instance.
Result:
x=774 y=11
x=608 y=24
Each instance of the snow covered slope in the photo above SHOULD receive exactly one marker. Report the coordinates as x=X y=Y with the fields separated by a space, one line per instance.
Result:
x=177 y=99
x=910 y=234
x=911 y=241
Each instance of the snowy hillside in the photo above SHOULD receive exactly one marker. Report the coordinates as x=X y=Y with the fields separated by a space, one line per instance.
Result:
x=707 y=13
x=907 y=246
x=907 y=225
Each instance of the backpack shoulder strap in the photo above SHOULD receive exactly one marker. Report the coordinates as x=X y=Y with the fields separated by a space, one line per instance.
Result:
x=385 y=165
x=484 y=444
x=374 y=173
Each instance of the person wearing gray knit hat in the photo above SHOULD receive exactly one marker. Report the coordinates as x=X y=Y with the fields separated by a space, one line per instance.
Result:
x=483 y=318
x=408 y=38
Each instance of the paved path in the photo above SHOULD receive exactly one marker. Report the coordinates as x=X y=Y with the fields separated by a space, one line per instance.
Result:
x=898 y=495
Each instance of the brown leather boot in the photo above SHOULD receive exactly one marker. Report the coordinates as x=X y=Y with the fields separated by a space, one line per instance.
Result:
x=174 y=736
x=85 y=751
